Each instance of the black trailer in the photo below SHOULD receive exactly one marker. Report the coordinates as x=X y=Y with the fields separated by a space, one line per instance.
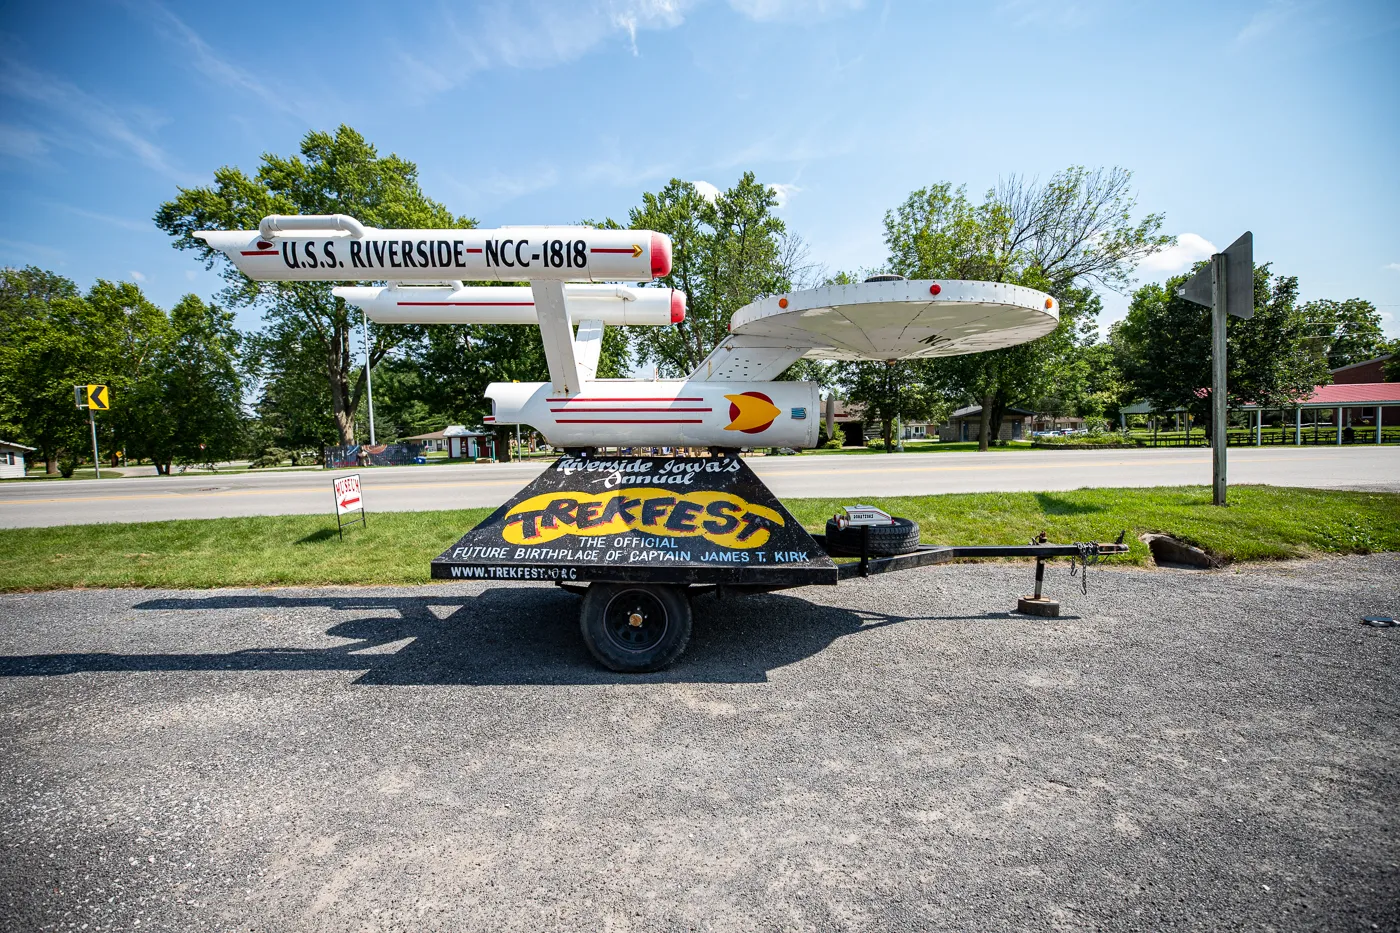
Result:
x=638 y=536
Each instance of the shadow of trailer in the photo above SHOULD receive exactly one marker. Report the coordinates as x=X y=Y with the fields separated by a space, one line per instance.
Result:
x=638 y=537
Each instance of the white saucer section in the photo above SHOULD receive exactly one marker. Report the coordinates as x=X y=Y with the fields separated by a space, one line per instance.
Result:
x=896 y=320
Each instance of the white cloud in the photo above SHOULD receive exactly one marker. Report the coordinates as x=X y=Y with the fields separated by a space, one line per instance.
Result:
x=94 y=119
x=1056 y=14
x=138 y=277
x=794 y=9
x=707 y=191
x=31 y=251
x=191 y=275
x=1190 y=248
x=1394 y=266
x=783 y=193
x=531 y=34
x=220 y=70
x=1266 y=20
x=498 y=188
x=137 y=226
x=21 y=143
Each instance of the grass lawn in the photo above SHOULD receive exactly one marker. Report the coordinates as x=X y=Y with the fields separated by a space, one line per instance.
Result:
x=1263 y=522
x=77 y=474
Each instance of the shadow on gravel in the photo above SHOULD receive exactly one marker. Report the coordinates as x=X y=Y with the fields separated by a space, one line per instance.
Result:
x=504 y=636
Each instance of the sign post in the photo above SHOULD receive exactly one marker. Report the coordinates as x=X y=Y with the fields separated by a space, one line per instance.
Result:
x=93 y=398
x=348 y=499
x=1226 y=286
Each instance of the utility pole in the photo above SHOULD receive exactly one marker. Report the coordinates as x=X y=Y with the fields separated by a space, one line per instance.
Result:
x=369 y=388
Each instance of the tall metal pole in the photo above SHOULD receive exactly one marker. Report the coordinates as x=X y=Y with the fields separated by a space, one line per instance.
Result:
x=369 y=388
x=96 y=464
x=1217 y=388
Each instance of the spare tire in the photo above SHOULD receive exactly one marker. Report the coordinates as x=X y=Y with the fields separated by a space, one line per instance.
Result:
x=901 y=537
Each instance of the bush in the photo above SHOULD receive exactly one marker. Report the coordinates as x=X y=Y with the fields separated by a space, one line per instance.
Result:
x=833 y=443
x=66 y=466
x=271 y=457
x=1089 y=440
x=875 y=443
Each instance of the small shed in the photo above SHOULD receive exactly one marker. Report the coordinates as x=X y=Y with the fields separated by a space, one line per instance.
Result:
x=12 y=459
x=965 y=424
x=458 y=441
x=462 y=442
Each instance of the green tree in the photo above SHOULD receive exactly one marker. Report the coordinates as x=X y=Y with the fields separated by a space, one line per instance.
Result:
x=132 y=333
x=284 y=363
x=890 y=391
x=56 y=339
x=334 y=173
x=1066 y=236
x=1163 y=347
x=44 y=352
x=1350 y=330
x=186 y=406
x=727 y=252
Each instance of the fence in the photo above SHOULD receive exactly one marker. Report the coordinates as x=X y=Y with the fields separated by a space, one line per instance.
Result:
x=361 y=455
x=1244 y=437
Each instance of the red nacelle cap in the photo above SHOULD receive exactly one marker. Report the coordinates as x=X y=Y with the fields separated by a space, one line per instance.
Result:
x=660 y=255
x=677 y=305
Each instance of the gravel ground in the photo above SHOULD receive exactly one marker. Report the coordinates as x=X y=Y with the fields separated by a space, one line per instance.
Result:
x=1180 y=751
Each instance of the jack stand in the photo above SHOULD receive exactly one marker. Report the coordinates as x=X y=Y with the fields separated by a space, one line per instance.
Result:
x=1038 y=605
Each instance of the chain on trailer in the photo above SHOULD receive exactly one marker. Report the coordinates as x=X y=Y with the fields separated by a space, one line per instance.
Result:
x=1089 y=555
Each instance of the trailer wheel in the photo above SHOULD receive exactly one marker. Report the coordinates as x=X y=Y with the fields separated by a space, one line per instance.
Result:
x=902 y=537
x=635 y=627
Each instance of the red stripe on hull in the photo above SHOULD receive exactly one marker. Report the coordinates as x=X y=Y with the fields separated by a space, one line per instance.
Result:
x=629 y=421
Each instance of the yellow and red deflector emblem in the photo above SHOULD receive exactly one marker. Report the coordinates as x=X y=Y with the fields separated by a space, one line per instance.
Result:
x=751 y=412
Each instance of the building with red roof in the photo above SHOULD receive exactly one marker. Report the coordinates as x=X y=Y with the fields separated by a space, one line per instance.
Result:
x=1355 y=402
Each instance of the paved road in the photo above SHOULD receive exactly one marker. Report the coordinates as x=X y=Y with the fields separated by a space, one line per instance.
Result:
x=32 y=503
x=1181 y=751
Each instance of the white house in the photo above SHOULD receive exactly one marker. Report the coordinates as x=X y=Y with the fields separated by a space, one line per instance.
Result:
x=12 y=460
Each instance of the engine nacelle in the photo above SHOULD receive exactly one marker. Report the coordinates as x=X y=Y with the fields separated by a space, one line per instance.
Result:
x=613 y=305
x=334 y=247
x=671 y=413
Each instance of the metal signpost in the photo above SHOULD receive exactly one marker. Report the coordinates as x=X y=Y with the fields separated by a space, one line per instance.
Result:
x=93 y=398
x=1226 y=286
x=348 y=499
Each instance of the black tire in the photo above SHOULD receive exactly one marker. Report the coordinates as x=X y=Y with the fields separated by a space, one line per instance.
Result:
x=635 y=627
x=885 y=540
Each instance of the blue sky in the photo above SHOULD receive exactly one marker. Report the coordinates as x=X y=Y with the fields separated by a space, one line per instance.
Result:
x=1280 y=117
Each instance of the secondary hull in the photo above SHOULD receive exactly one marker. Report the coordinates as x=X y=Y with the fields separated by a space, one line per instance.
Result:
x=671 y=413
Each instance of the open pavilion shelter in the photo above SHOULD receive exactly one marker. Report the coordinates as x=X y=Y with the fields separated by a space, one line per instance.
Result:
x=1358 y=408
